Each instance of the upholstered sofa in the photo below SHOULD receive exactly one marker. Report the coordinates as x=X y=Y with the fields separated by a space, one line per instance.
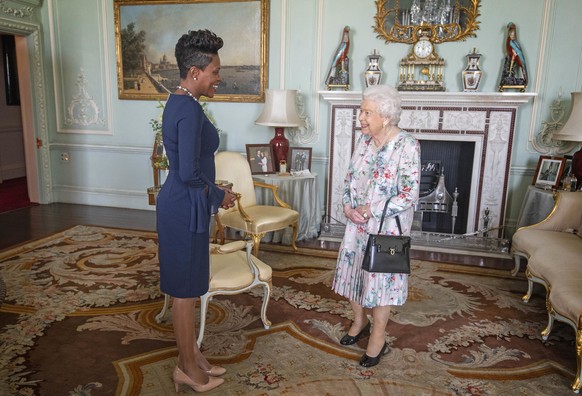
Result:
x=553 y=249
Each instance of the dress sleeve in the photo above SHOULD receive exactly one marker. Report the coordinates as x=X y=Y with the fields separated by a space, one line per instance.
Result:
x=347 y=192
x=407 y=180
x=205 y=197
x=189 y=148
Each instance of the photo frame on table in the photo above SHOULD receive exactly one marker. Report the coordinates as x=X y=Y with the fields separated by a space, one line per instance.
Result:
x=146 y=33
x=549 y=171
x=261 y=160
x=299 y=158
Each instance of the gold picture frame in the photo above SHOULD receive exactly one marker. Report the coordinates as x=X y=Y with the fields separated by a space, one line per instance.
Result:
x=396 y=21
x=146 y=32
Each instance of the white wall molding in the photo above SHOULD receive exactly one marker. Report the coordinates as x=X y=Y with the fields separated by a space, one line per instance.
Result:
x=541 y=81
x=79 y=112
x=131 y=199
x=101 y=148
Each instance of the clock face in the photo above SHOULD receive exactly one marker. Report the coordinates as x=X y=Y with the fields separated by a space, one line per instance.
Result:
x=423 y=48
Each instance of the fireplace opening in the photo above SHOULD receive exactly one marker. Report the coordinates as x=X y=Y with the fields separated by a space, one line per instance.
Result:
x=456 y=159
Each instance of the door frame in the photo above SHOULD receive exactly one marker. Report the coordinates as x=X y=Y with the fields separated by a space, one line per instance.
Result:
x=33 y=106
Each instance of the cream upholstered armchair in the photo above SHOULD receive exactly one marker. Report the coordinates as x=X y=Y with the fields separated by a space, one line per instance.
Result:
x=553 y=249
x=233 y=270
x=252 y=219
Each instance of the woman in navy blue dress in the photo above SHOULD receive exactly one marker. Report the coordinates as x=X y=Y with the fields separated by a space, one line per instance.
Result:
x=187 y=200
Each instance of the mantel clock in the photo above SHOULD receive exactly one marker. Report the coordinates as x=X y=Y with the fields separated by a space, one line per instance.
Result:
x=422 y=69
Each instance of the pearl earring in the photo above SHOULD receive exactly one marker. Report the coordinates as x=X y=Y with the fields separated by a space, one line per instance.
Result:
x=194 y=78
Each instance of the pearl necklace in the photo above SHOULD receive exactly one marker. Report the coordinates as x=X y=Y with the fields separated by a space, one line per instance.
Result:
x=187 y=92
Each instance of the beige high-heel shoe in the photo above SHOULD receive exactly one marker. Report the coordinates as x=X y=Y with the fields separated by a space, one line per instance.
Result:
x=215 y=371
x=180 y=378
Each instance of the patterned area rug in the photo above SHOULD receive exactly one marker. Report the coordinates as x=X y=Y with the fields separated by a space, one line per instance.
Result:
x=79 y=319
x=2 y=291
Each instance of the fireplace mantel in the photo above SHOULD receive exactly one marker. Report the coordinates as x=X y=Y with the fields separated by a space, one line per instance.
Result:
x=488 y=99
x=485 y=118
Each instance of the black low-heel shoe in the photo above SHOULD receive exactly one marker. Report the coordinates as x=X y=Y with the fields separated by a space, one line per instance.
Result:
x=367 y=361
x=350 y=340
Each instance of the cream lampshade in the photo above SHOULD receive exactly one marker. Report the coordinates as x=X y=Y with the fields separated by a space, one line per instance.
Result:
x=280 y=111
x=572 y=132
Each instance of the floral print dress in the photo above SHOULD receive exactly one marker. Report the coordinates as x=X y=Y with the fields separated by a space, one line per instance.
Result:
x=390 y=172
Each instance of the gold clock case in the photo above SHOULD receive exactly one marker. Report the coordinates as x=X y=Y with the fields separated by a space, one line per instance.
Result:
x=390 y=26
x=421 y=74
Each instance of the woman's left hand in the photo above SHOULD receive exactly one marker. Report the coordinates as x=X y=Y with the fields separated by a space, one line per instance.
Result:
x=358 y=215
x=229 y=198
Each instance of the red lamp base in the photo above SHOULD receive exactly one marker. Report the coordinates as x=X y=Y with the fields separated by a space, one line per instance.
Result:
x=280 y=146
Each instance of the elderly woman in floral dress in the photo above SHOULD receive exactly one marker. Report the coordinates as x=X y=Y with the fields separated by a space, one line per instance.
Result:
x=385 y=166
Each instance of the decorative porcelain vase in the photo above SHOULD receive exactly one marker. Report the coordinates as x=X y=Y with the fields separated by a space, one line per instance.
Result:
x=373 y=74
x=472 y=74
x=280 y=146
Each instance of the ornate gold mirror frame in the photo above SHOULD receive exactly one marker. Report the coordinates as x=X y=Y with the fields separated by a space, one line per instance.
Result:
x=449 y=20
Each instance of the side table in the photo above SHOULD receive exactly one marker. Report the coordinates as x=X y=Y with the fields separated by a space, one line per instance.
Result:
x=537 y=205
x=302 y=193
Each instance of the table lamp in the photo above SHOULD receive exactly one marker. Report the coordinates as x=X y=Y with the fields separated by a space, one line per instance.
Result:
x=572 y=132
x=280 y=111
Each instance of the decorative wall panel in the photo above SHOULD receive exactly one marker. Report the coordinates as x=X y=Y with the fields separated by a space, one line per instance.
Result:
x=82 y=82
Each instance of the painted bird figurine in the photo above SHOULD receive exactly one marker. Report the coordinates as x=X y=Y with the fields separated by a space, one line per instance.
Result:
x=514 y=52
x=339 y=71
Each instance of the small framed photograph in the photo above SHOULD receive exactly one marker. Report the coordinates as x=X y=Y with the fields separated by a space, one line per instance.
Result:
x=260 y=157
x=549 y=171
x=299 y=158
x=567 y=169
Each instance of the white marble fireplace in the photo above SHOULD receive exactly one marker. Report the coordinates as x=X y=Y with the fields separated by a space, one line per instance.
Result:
x=486 y=119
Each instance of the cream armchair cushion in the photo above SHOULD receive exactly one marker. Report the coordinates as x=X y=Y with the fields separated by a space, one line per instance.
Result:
x=252 y=219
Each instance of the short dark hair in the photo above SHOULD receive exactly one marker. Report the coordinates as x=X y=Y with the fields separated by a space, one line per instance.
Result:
x=196 y=48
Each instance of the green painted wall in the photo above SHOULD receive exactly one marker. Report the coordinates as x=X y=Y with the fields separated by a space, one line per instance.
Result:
x=110 y=162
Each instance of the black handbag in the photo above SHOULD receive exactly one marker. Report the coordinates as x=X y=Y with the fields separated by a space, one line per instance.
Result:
x=388 y=254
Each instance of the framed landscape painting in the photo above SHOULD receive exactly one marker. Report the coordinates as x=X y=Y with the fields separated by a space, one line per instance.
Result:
x=146 y=32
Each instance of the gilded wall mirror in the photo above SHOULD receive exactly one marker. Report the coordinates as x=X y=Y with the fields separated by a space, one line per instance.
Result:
x=449 y=20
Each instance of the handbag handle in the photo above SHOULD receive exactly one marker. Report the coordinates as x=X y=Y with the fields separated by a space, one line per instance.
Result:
x=382 y=219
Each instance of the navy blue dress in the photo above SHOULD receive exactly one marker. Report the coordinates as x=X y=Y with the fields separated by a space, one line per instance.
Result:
x=187 y=198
